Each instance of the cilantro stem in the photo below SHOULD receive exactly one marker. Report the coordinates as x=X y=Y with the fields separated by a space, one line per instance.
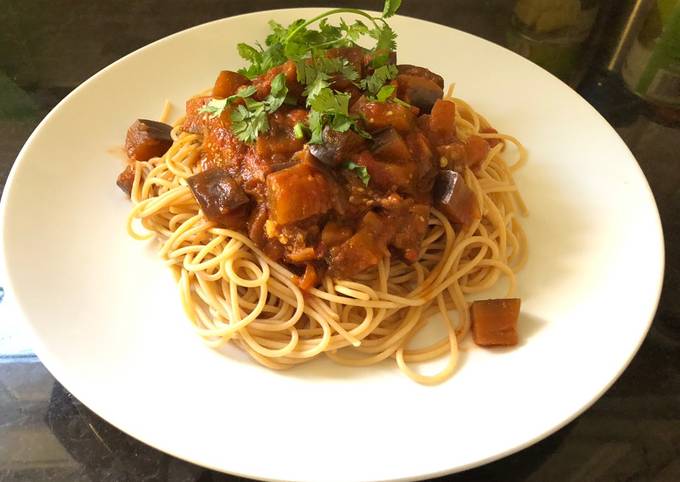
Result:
x=331 y=42
x=334 y=11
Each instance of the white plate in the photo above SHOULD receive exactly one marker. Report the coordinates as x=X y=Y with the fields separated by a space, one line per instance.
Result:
x=108 y=324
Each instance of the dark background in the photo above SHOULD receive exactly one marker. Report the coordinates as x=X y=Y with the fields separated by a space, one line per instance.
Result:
x=47 y=48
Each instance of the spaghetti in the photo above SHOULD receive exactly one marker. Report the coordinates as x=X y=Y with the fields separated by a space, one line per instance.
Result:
x=231 y=290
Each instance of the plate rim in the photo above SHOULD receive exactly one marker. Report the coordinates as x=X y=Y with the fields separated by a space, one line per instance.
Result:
x=51 y=363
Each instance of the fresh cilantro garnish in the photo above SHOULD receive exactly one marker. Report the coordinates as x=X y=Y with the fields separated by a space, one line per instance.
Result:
x=299 y=130
x=316 y=73
x=334 y=106
x=260 y=59
x=380 y=58
x=331 y=108
x=316 y=120
x=298 y=42
x=327 y=106
x=397 y=100
x=249 y=120
x=384 y=93
x=360 y=171
x=376 y=87
x=306 y=47
x=390 y=8
x=216 y=106
x=386 y=38
x=354 y=31
x=374 y=82
x=278 y=93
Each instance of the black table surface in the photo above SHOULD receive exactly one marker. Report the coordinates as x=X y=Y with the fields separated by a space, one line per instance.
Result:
x=48 y=47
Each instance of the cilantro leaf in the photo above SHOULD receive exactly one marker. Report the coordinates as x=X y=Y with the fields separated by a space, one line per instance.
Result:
x=260 y=59
x=341 y=123
x=385 y=36
x=346 y=70
x=397 y=100
x=313 y=77
x=330 y=32
x=316 y=74
x=278 y=93
x=315 y=121
x=306 y=73
x=278 y=31
x=307 y=47
x=278 y=85
x=384 y=93
x=360 y=171
x=216 y=106
x=249 y=53
x=313 y=89
x=247 y=124
x=390 y=8
x=250 y=120
x=355 y=31
x=332 y=109
x=380 y=58
x=278 y=40
x=328 y=102
x=297 y=41
x=374 y=82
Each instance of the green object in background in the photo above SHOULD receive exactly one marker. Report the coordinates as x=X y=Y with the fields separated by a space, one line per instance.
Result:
x=15 y=104
x=552 y=33
x=557 y=56
x=652 y=67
